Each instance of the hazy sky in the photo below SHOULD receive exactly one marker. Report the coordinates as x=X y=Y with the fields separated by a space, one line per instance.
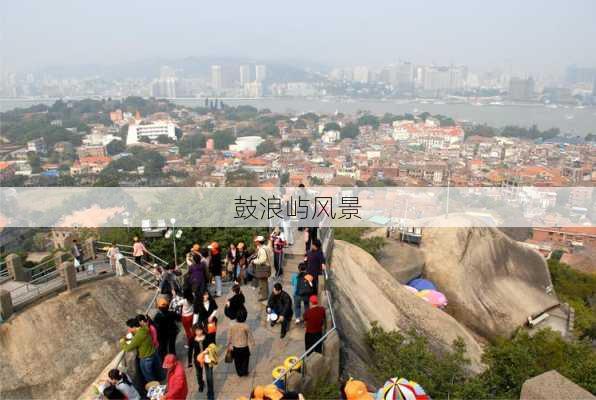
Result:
x=533 y=35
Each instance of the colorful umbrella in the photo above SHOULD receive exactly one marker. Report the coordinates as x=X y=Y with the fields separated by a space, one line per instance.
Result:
x=422 y=284
x=411 y=289
x=435 y=298
x=401 y=389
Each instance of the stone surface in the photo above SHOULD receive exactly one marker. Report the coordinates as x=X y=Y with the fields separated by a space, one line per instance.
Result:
x=59 y=346
x=491 y=282
x=552 y=385
x=365 y=292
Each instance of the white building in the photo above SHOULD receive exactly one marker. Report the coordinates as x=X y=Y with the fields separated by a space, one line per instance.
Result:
x=253 y=89
x=247 y=143
x=37 y=146
x=244 y=75
x=151 y=131
x=331 y=136
x=361 y=74
x=260 y=73
x=216 y=77
x=99 y=139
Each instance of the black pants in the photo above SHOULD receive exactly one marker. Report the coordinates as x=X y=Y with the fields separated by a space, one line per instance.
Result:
x=167 y=345
x=241 y=357
x=139 y=260
x=278 y=263
x=285 y=324
x=312 y=235
x=310 y=339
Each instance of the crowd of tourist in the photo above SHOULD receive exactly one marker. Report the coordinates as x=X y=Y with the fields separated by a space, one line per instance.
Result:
x=187 y=304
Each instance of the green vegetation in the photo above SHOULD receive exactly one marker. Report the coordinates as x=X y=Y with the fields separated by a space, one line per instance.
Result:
x=579 y=290
x=323 y=390
x=350 y=131
x=531 y=133
x=266 y=147
x=223 y=139
x=332 y=126
x=371 y=245
x=369 y=119
x=509 y=362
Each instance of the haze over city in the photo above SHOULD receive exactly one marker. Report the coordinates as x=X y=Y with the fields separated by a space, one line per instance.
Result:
x=505 y=34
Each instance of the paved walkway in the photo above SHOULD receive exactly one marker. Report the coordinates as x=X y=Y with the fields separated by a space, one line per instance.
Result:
x=270 y=350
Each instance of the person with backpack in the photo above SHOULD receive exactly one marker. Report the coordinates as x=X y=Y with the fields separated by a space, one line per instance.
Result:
x=262 y=268
x=303 y=289
x=167 y=328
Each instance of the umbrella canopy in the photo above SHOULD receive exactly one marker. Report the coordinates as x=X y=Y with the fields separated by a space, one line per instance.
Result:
x=422 y=284
x=435 y=298
x=401 y=389
x=411 y=289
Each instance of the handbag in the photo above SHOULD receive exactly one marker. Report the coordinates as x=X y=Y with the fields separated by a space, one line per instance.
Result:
x=229 y=356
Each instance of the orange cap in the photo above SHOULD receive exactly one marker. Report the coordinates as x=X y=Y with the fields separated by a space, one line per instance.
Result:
x=357 y=390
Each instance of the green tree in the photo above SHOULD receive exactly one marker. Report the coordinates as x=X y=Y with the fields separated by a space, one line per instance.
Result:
x=349 y=131
x=266 y=147
x=115 y=147
x=223 y=139
x=332 y=126
x=191 y=143
x=369 y=119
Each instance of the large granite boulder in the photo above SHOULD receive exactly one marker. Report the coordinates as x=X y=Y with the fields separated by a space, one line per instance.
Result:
x=364 y=292
x=493 y=283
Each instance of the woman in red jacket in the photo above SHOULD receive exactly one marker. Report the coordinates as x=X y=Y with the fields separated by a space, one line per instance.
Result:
x=176 y=388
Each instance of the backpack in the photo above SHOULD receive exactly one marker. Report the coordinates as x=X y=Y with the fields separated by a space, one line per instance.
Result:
x=303 y=288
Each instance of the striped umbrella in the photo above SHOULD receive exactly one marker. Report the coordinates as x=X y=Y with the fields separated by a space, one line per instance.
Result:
x=401 y=389
x=435 y=298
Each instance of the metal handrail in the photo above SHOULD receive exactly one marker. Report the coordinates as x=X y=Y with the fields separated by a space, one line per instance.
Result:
x=302 y=358
x=129 y=260
x=153 y=255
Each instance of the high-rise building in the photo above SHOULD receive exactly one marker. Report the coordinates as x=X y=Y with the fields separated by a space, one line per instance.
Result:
x=575 y=74
x=361 y=74
x=521 y=89
x=166 y=85
x=260 y=73
x=253 y=89
x=244 y=75
x=216 y=77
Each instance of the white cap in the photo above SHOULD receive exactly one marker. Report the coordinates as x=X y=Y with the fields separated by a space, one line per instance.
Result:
x=259 y=239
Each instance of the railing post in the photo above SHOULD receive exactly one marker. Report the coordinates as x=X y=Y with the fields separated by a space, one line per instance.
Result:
x=59 y=258
x=89 y=249
x=68 y=271
x=14 y=265
x=6 y=308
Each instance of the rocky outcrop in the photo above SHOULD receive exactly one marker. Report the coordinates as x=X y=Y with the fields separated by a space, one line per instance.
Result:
x=57 y=347
x=364 y=292
x=492 y=283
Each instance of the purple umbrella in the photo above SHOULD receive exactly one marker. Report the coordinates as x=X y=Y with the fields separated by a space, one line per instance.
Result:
x=422 y=284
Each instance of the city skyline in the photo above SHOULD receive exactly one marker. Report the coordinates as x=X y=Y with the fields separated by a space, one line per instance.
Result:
x=504 y=35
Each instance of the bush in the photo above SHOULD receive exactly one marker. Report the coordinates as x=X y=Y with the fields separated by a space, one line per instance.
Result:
x=354 y=235
x=509 y=362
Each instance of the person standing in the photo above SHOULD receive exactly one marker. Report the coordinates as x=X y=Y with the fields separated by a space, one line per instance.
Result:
x=215 y=266
x=176 y=387
x=303 y=289
x=234 y=303
x=138 y=250
x=205 y=309
x=262 y=268
x=279 y=242
x=168 y=284
x=148 y=356
x=315 y=263
x=114 y=256
x=231 y=262
x=77 y=255
x=241 y=263
x=280 y=305
x=314 y=324
x=240 y=341
x=197 y=276
x=187 y=313
x=196 y=357
x=167 y=328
